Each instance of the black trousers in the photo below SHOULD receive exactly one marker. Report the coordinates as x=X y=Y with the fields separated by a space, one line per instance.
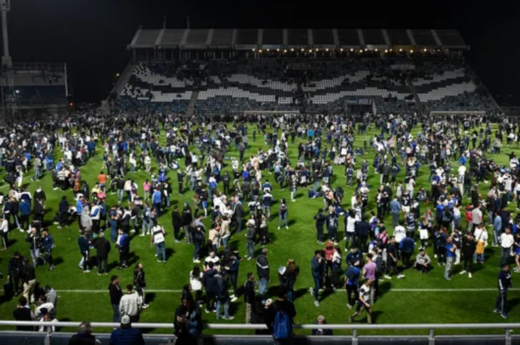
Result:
x=210 y=300
x=352 y=294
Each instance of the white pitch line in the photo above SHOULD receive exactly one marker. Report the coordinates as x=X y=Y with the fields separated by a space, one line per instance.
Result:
x=336 y=291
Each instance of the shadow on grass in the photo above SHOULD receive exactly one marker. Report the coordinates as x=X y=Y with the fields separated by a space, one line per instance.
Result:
x=58 y=261
x=133 y=259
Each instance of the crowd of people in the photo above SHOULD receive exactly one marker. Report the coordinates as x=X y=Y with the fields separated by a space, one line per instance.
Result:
x=227 y=200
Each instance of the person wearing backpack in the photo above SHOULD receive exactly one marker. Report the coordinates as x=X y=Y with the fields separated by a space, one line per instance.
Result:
x=279 y=318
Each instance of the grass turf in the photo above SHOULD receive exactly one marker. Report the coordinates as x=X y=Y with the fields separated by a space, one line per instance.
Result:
x=299 y=243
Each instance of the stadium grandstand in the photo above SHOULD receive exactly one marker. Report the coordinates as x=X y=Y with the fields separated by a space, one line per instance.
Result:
x=210 y=71
x=30 y=90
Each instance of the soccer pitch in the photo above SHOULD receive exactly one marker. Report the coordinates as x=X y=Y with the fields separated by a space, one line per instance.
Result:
x=415 y=299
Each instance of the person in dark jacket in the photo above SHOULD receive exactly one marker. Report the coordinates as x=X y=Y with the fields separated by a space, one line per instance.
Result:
x=102 y=246
x=262 y=270
x=84 y=248
x=249 y=295
x=318 y=270
x=232 y=266
x=115 y=297
x=22 y=313
x=210 y=285
x=320 y=218
x=176 y=223
x=84 y=336
x=280 y=305
x=25 y=212
x=126 y=334
x=63 y=212
x=362 y=231
x=186 y=219
x=140 y=282
x=187 y=323
x=48 y=246
x=321 y=321
x=407 y=247
x=222 y=297
x=15 y=270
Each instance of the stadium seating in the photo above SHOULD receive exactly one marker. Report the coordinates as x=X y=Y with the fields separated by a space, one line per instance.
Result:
x=307 y=85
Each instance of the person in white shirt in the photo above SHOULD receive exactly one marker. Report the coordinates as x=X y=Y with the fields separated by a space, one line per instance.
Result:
x=196 y=282
x=481 y=236
x=506 y=242
x=399 y=232
x=4 y=230
x=131 y=304
x=212 y=258
x=157 y=238
x=462 y=172
x=43 y=304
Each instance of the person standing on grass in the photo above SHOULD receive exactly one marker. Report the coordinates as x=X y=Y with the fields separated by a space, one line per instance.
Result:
x=115 y=297
x=84 y=249
x=279 y=318
x=282 y=214
x=363 y=303
x=176 y=224
x=157 y=238
x=506 y=243
x=504 y=283
x=23 y=313
x=318 y=270
x=131 y=304
x=140 y=283
x=222 y=297
x=210 y=285
x=369 y=272
x=249 y=295
x=123 y=245
x=516 y=247
x=450 y=257
x=196 y=283
x=48 y=246
x=392 y=259
x=320 y=218
x=262 y=270
x=481 y=236
x=352 y=274
x=102 y=246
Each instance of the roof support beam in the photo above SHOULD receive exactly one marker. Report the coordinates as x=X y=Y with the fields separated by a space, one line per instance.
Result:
x=436 y=37
x=361 y=38
x=410 y=37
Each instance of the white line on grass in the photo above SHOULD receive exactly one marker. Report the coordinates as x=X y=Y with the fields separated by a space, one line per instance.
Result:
x=338 y=290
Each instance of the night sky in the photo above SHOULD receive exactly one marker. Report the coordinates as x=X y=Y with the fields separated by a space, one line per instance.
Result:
x=91 y=35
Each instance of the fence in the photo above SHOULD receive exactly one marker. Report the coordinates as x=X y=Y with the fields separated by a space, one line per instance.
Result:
x=429 y=337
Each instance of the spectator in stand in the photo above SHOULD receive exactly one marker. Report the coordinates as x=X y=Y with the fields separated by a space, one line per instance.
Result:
x=188 y=322
x=319 y=331
x=126 y=334
x=84 y=336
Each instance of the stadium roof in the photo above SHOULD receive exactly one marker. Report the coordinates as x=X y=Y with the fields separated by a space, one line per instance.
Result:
x=242 y=39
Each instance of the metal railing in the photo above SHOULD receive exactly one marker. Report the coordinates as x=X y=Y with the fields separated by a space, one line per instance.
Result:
x=507 y=327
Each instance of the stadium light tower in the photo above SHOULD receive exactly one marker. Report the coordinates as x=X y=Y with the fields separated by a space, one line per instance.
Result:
x=5 y=6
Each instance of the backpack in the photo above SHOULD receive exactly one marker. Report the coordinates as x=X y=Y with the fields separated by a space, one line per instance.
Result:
x=282 y=325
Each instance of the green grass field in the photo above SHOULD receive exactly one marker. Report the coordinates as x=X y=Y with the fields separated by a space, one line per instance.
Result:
x=415 y=299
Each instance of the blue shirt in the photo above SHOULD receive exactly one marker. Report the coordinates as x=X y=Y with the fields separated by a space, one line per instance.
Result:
x=395 y=206
x=128 y=336
x=449 y=253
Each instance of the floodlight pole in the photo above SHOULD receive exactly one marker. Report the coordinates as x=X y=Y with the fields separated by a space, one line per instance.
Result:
x=5 y=6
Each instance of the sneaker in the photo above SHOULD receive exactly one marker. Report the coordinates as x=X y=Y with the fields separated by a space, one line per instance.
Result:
x=335 y=243
x=349 y=306
x=145 y=306
x=496 y=310
x=504 y=315
x=401 y=276
x=278 y=228
x=317 y=303
x=87 y=271
x=286 y=228
x=59 y=227
x=196 y=261
x=229 y=318
x=207 y=311
x=311 y=291
x=159 y=261
x=463 y=272
x=469 y=275
x=99 y=274
x=142 y=235
x=447 y=278
x=22 y=230
x=435 y=256
x=387 y=276
x=234 y=299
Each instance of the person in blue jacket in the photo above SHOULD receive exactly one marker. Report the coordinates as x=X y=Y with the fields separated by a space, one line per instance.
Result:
x=157 y=200
x=504 y=283
x=84 y=248
x=25 y=212
x=48 y=246
x=317 y=267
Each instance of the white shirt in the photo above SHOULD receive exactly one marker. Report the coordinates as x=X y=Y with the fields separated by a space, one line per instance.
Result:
x=506 y=240
x=399 y=233
x=158 y=234
x=196 y=282
x=462 y=170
